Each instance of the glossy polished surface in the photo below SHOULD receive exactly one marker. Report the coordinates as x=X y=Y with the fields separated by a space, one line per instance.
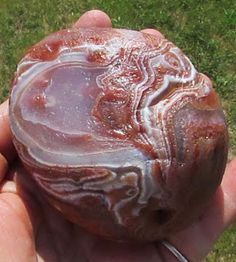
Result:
x=119 y=131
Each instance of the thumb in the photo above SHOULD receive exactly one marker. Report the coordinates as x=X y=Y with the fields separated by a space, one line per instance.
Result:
x=6 y=146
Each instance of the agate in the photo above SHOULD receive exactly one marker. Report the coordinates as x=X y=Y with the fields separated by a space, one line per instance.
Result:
x=119 y=131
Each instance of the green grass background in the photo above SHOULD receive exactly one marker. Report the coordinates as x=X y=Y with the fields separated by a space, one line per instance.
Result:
x=204 y=30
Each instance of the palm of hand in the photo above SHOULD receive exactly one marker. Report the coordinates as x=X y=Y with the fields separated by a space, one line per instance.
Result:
x=34 y=231
x=37 y=232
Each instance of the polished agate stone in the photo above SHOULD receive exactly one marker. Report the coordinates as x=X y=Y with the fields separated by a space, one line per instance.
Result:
x=119 y=131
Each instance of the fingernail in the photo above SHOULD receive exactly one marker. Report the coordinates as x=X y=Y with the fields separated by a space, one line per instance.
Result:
x=8 y=187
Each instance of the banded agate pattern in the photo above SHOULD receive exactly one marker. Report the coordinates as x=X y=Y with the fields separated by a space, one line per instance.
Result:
x=119 y=131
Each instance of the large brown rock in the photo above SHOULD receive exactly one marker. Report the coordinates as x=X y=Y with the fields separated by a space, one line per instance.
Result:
x=119 y=131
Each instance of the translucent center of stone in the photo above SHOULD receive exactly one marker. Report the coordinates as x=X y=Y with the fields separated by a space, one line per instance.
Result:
x=55 y=112
x=62 y=99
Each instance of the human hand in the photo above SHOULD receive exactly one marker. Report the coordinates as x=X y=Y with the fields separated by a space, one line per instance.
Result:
x=31 y=230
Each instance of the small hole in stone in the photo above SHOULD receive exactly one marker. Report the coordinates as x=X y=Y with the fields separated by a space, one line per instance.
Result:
x=162 y=216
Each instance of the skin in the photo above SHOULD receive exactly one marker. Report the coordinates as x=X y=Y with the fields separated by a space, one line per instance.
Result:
x=33 y=231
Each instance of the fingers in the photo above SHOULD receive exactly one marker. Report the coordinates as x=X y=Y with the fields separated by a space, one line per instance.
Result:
x=3 y=167
x=6 y=146
x=16 y=238
x=93 y=18
x=153 y=32
x=97 y=18
x=229 y=189
x=196 y=241
x=200 y=236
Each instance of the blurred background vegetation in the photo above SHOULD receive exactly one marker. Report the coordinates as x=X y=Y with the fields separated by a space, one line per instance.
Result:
x=204 y=30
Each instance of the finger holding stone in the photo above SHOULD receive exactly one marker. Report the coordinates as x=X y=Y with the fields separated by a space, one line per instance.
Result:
x=6 y=145
x=93 y=18
x=153 y=32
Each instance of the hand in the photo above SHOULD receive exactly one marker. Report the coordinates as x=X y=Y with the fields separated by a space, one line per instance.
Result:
x=33 y=231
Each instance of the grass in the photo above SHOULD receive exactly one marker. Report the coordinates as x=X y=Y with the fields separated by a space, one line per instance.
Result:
x=205 y=30
x=225 y=248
